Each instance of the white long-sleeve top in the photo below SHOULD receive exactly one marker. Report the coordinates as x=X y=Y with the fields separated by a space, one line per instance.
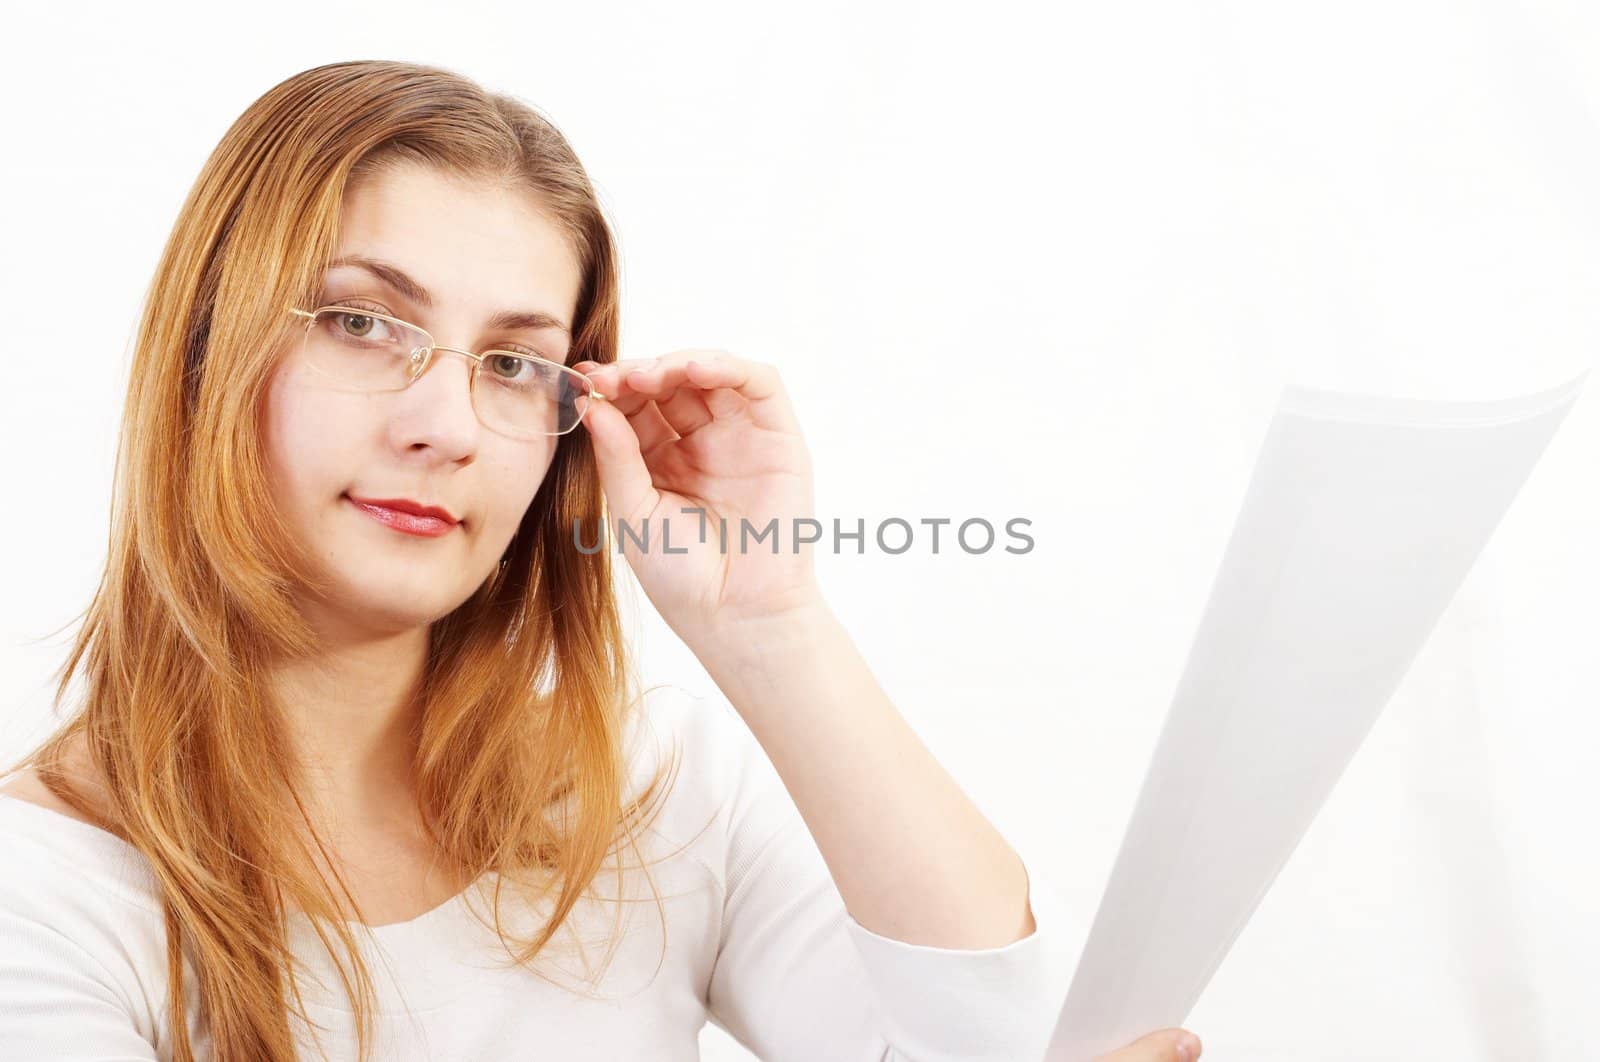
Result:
x=756 y=939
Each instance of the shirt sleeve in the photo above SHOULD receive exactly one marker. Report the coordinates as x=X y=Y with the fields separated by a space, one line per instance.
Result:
x=797 y=978
x=58 y=1003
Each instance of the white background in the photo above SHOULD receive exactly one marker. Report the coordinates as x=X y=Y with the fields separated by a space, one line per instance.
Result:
x=1023 y=262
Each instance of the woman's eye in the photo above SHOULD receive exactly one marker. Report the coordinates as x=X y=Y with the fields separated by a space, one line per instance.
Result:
x=510 y=368
x=363 y=329
x=351 y=325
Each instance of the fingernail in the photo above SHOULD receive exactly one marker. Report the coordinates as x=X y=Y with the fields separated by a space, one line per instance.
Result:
x=1188 y=1048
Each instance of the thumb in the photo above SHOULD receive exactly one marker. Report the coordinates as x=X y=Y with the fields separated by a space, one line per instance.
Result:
x=1167 y=1045
x=623 y=475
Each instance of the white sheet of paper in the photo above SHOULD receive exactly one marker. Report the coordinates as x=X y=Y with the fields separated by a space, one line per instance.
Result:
x=1362 y=517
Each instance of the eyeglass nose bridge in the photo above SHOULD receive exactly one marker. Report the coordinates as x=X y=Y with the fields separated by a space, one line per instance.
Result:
x=422 y=356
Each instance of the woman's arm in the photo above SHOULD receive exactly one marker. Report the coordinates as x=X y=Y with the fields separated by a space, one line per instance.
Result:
x=694 y=446
x=912 y=856
x=697 y=442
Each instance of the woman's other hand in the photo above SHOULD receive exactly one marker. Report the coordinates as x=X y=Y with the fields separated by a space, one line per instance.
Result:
x=1167 y=1045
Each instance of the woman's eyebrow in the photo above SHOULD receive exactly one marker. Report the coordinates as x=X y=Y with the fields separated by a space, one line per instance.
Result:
x=399 y=280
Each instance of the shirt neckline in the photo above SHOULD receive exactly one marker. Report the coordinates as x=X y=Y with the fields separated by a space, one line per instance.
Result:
x=421 y=963
x=108 y=843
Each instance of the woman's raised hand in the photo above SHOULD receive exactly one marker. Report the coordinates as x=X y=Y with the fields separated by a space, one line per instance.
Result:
x=705 y=430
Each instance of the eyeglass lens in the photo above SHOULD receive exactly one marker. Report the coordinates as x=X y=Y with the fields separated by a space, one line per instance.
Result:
x=512 y=393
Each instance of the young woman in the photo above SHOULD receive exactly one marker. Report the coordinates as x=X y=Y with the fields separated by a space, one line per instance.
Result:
x=356 y=695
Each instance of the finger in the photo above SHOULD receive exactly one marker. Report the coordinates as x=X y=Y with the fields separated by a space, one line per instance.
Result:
x=634 y=382
x=651 y=427
x=686 y=411
x=1166 y=1045
x=666 y=383
x=756 y=384
x=612 y=381
x=723 y=403
x=669 y=386
x=624 y=477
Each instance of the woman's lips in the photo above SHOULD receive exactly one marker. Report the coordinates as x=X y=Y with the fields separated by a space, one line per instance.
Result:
x=407 y=523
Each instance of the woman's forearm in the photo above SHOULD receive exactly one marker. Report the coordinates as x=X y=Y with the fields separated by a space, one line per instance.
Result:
x=913 y=858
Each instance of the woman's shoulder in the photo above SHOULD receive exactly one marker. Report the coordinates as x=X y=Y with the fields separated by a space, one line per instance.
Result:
x=82 y=937
x=80 y=770
x=706 y=740
x=26 y=785
x=725 y=792
x=61 y=863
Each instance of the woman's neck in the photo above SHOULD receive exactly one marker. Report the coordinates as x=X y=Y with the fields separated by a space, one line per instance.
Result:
x=353 y=722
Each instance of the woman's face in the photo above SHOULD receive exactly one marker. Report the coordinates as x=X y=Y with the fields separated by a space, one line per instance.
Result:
x=475 y=250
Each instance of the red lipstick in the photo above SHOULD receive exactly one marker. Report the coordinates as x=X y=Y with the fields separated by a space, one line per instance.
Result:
x=407 y=516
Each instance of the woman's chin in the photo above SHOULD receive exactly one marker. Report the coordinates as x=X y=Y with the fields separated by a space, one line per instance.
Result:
x=391 y=606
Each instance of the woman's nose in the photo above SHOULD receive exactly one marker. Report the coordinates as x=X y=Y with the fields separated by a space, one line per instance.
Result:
x=437 y=405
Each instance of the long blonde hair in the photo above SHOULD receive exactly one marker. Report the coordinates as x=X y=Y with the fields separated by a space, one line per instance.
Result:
x=526 y=691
